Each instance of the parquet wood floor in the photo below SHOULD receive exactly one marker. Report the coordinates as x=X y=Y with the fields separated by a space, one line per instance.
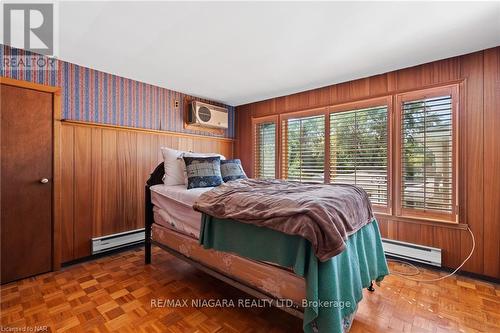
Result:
x=113 y=294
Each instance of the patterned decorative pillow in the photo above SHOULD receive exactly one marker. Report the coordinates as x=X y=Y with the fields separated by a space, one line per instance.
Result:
x=203 y=171
x=232 y=170
x=191 y=154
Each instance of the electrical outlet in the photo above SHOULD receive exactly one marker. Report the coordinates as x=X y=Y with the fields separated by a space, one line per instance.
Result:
x=176 y=104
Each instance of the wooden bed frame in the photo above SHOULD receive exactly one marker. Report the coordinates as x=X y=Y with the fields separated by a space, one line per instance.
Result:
x=157 y=178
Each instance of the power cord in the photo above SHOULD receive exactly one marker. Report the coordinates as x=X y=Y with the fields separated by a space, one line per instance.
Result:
x=417 y=271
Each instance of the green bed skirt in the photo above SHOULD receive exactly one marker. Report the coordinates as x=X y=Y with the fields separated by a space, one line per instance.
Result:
x=334 y=287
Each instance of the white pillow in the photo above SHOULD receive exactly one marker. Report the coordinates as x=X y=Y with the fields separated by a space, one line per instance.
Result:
x=189 y=154
x=174 y=166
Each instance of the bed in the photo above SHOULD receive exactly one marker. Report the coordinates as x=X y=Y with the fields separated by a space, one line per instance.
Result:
x=288 y=274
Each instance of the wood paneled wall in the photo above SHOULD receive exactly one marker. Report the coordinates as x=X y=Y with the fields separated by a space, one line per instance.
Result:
x=479 y=118
x=104 y=170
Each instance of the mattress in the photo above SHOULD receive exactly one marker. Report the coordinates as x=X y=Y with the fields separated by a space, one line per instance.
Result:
x=173 y=207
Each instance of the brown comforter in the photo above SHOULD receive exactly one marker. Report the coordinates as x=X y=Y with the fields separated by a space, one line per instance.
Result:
x=323 y=214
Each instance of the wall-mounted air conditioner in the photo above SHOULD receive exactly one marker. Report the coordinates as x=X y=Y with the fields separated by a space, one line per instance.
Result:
x=206 y=115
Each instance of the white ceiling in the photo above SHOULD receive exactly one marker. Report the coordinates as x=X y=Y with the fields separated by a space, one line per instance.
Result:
x=240 y=52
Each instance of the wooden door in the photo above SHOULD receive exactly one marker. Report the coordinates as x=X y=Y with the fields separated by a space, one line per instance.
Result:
x=26 y=182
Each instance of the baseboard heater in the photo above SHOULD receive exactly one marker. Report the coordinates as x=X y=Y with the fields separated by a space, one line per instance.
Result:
x=116 y=241
x=408 y=251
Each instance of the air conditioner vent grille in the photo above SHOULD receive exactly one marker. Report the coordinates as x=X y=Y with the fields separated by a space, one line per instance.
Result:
x=204 y=113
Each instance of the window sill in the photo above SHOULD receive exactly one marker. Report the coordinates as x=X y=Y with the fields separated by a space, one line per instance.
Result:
x=424 y=221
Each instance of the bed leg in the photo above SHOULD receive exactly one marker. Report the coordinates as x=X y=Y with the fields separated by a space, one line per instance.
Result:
x=371 y=288
x=147 y=247
x=148 y=222
x=315 y=326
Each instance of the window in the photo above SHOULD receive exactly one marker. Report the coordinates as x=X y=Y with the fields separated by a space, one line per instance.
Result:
x=265 y=149
x=401 y=149
x=304 y=149
x=427 y=153
x=359 y=149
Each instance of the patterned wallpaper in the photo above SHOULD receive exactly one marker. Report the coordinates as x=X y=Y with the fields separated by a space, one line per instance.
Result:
x=95 y=96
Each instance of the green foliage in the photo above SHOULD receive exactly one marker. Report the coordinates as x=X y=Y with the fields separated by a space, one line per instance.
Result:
x=427 y=164
x=306 y=148
x=359 y=140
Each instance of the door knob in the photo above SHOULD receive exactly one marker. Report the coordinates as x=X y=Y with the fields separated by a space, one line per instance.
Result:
x=44 y=180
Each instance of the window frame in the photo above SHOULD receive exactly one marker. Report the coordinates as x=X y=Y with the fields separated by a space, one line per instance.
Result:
x=364 y=104
x=274 y=119
x=323 y=111
x=394 y=101
x=423 y=214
